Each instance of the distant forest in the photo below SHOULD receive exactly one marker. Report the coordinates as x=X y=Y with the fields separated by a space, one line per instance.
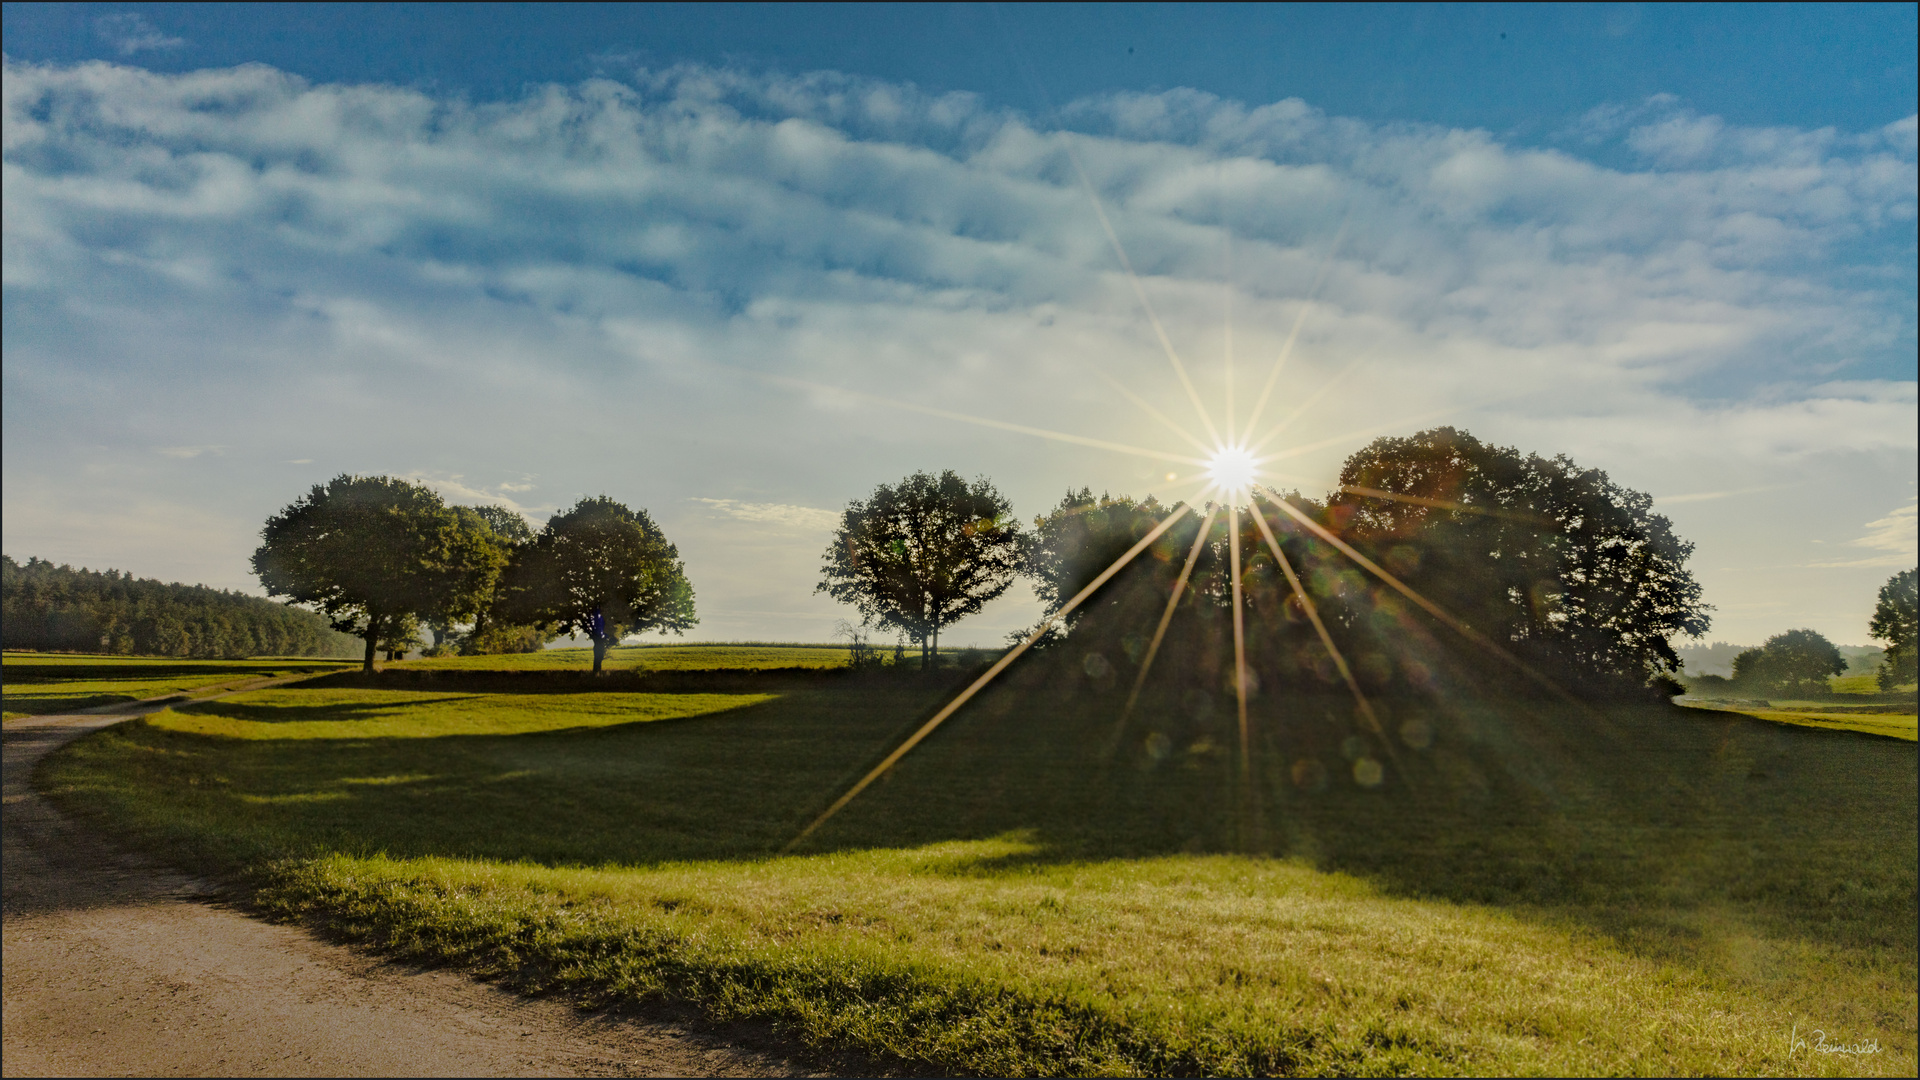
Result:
x=58 y=608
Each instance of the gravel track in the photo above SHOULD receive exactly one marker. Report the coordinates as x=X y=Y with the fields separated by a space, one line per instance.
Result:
x=115 y=965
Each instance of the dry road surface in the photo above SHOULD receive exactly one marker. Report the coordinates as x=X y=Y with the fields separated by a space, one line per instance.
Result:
x=113 y=965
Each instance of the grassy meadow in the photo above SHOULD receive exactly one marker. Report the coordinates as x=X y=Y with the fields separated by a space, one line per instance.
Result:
x=40 y=683
x=650 y=657
x=1485 y=885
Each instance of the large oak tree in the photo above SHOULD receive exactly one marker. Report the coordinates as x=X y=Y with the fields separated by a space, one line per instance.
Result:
x=1554 y=560
x=373 y=552
x=924 y=553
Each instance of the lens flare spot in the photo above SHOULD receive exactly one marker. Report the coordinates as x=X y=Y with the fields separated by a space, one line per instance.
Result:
x=1368 y=773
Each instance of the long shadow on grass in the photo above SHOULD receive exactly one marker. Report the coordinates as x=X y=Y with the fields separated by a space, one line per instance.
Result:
x=1627 y=817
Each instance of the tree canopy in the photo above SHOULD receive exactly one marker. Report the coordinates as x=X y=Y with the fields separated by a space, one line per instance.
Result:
x=602 y=570
x=1796 y=662
x=491 y=632
x=1896 y=623
x=1554 y=560
x=371 y=552
x=923 y=554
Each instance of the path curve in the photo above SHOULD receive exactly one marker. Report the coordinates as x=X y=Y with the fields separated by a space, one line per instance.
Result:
x=114 y=965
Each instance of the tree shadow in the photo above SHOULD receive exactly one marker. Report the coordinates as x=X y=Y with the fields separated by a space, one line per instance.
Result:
x=1630 y=818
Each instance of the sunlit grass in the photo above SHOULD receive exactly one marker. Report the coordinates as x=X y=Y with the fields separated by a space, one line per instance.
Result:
x=646 y=658
x=330 y=713
x=1652 y=890
x=39 y=683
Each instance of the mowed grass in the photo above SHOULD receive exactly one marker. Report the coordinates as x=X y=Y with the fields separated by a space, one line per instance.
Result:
x=1533 y=889
x=40 y=683
x=1868 y=719
x=646 y=658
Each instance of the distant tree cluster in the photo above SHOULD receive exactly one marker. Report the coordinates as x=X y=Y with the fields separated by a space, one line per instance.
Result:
x=388 y=561
x=59 y=608
x=1797 y=663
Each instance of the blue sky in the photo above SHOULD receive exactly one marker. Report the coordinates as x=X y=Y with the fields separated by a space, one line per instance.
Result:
x=524 y=254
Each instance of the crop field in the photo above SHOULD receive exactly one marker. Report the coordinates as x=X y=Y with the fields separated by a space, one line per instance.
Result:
x=39 y=683
x=1487 y=886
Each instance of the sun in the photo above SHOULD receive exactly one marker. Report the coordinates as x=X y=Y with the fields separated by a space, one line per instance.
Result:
x=1232 y=470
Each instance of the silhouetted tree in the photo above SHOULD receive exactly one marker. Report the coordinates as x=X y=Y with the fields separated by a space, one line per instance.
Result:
x=1796 y=662
x=1895 y=622
x=923 y=554
x=371 y=551
x=602 y=570
x=1079 y=539
x=1552 y=559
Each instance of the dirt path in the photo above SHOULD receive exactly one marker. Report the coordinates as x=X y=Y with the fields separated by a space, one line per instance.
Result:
x=113 y=965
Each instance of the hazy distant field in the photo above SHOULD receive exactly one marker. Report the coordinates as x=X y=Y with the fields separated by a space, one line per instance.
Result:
x=38 y=683
x=1533 y=889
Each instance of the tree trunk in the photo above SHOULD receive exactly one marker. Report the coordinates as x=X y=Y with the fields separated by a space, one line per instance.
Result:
x=373 y=642
x=599 y=653
x=936 y=646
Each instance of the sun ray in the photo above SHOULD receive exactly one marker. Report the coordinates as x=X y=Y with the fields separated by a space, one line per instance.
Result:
x=1226 y=303
x=1308 y=448
x=1326 y=264
x=1000 y=665
x=1240 y=676
x=1166 y=618
x=1326 y=388
x=1155 y=413
x=1140 y=291
x=1313 y=615
x=948 y=414
x=1425 y=604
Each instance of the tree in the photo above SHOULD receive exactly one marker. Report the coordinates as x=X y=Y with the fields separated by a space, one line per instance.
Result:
x=370 y=552
x=1895 y=622
x=923 y=554
x=602 y=570
x=1555 y=561
x=1796 y=662
x=490 y=633
x=1081 y=538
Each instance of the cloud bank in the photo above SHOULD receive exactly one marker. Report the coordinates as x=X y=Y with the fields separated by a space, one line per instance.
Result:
x=616 y=287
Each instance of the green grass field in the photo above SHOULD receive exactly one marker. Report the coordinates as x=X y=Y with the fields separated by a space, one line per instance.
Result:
x=1532 y=887
x=39 y=683
x=669 y=657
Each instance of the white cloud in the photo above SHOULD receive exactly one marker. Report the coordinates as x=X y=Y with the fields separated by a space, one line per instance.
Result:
x=779 y=515
x=588 y=285
x=1895 y=538
x=130 y=33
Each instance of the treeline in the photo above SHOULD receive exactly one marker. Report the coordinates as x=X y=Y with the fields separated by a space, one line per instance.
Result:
x=59 y=608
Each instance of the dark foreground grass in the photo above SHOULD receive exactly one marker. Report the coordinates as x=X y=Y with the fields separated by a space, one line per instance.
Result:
x=1530 y=888
x=40 y=683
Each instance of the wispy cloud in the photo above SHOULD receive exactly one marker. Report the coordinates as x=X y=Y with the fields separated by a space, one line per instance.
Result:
x=781 y=515
x=1895 y=537
x=455 y=489
x=130 y=33
x=185 y=452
